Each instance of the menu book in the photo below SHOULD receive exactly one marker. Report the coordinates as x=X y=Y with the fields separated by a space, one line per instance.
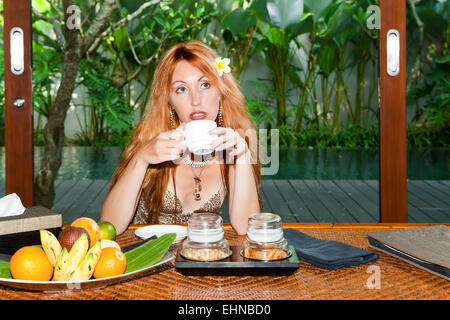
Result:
x=425 y=247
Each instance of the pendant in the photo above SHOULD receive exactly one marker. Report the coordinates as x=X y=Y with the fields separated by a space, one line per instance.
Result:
x=197 y=189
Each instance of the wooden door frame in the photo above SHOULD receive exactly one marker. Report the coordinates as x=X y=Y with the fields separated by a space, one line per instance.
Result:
x=392 y=123
x=19 y=155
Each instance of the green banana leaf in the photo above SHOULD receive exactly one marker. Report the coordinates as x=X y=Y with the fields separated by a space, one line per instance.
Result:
x=148 y=253
x=4 y=270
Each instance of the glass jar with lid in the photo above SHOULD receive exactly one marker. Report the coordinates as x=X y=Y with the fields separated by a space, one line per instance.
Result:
x=265 y=238
x=205 y=241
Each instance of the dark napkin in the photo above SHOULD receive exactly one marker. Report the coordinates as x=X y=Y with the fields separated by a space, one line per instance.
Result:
x=327 y=254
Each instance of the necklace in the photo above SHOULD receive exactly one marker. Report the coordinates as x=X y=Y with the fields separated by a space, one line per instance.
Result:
x=195 y=164
x=197 y=185
x=197 y=180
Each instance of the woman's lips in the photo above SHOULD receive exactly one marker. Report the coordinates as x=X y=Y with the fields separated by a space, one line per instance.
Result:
x=198 y=115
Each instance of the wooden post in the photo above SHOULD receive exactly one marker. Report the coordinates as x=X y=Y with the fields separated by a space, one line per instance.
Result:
x=393 y=183
x=18 y=100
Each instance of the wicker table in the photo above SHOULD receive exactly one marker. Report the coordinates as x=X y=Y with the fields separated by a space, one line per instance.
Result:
x=398 y=279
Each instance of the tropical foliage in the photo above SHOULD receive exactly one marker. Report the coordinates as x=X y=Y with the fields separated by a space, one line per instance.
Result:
x=321 y=58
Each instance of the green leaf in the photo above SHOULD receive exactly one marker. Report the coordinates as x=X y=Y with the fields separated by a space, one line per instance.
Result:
x=293 y=75
x=340 y=19
x=148 y=253
x=132 y=5
x=162 y=22
x=443 y=59
x=258 y=45
x=284 y=13
x=41 y=5
x=259 y=8
x=177 y=22
x=199 y=11
x=278 y=13
x=305 y=25
x=4 y=270
x=44 y=27
x=276 y=37
x=326 y=58
x=239 y=21
x=317 y=7
x=121 y=39
x=224 y=6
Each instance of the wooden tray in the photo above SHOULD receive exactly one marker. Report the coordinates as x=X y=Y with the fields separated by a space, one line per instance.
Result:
x=236 y=264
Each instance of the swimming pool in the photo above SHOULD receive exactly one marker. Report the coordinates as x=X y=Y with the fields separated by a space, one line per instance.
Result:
x=294 y=163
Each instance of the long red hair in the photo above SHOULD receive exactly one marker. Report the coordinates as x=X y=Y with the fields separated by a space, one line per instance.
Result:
x=157 y=119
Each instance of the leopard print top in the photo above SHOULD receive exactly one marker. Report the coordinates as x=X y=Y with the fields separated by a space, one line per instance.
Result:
x=173 y=212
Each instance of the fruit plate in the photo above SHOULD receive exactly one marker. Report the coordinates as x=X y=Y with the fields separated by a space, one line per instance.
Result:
x=159 y=230
x=50 y=286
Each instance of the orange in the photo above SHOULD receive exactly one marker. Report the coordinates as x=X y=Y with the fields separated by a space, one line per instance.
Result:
x=112 y=262
x=31 y=263
x=107 y=230
x=90 y=226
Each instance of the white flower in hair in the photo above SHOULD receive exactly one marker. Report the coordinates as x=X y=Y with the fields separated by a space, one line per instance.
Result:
x=222 y=65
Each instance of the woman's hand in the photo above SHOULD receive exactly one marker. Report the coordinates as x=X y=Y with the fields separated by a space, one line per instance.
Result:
x=229 y=140
x=166 y=146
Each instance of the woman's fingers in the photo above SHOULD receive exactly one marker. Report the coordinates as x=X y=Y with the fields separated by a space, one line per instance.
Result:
x=220 y=131
x=225 y=136
x=176 y=134
x=228 y=138
x=227 y=144
x=170 y=153
x=173 y=147
x=163 y=149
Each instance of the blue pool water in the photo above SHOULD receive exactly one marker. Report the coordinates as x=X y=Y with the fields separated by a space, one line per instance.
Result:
x=294 y=163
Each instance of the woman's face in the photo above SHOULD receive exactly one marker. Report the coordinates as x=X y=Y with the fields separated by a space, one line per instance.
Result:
x=192 y=94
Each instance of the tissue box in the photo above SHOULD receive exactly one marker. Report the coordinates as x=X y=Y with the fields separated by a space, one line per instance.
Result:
x=23 y=230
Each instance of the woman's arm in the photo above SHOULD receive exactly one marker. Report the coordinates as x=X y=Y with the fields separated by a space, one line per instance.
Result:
x=120 y=203
x=243 y=197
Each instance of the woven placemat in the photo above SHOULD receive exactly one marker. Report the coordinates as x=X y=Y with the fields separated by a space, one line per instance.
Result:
x=396 y=280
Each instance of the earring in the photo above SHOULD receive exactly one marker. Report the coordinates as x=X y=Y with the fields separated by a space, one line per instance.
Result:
x=172 y=122
x=220 y=117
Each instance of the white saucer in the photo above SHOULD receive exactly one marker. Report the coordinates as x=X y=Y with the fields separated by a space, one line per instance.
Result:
x=159 y=230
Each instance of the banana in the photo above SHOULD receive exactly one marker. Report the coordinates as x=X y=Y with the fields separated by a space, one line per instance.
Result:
x=67 y=262
x=51 y=246
x=85 y=269
x=77 y=253
x=60 y=273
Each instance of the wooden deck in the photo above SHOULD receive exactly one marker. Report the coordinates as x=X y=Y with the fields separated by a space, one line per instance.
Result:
x=294 y=200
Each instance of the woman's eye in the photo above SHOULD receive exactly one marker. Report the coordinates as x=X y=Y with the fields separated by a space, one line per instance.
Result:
x=180 y=90
x=205 y=85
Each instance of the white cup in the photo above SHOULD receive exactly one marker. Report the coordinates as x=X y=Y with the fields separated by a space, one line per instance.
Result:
x=198 y=140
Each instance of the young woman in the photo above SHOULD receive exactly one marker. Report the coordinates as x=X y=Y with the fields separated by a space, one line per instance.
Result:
x=158 y=180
